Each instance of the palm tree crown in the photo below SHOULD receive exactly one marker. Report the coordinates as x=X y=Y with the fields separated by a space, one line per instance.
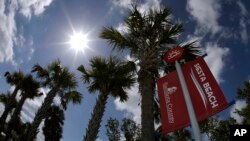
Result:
x=110 y=77
x=60 y=81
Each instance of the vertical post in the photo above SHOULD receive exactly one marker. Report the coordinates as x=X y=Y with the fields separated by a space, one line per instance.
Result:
x=189 y=105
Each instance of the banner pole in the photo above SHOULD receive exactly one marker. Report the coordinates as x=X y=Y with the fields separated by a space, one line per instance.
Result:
x=189 y=105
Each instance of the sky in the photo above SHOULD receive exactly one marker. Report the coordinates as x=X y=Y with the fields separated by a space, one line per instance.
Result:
x=40 y=31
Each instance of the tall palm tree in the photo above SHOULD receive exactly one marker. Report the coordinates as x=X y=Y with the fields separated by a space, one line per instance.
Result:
x=149 y=35
x=29 y=89
x=110 y=77
x=14 y=79
x=60 y=81
x=53 y=124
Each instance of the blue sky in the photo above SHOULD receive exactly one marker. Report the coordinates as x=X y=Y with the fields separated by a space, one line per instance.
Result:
x=37 y=31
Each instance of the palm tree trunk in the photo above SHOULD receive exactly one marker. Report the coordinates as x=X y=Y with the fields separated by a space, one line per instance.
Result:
x=14 y=119
x=146 y=85
x=95 y=121
x=41 y=114
x=8 y=107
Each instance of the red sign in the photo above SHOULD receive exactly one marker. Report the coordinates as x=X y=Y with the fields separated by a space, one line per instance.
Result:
x=173 y=55
x=206 y=96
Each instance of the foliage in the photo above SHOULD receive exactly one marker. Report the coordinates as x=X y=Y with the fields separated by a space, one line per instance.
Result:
x=112 y=129
x=128 y=128
x=109 y=76
x=244 y=94
x=131 y=130
x=29 y=89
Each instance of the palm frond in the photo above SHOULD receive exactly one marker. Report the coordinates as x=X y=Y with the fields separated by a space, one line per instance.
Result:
x=66 y=79
x=192 y=51
x=85 y=75
x=73 y=96
x=6 y=74
x=169 y=36
x=115 y=38
x=120 y=93
x=30 y=87
x=40 y=71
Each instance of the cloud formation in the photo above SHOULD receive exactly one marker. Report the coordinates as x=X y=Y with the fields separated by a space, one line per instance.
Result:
x=29 y=7
x=239 y=104
x=132 y=105
x=243 y=22
x=7 y=31
x=206 y=13
x=8 y=28
x=216 y=59
x=142 y=7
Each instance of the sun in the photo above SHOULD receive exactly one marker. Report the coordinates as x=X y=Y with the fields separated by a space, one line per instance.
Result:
x=78 y=41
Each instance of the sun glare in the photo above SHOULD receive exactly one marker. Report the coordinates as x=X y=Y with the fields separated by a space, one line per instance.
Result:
x=78 y=41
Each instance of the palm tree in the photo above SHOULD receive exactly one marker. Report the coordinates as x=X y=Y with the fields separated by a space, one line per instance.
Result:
x=14 y=79
x=110 y=77
x=60 y=81
x=149 y=35
x=29 y=89
x=53 y=124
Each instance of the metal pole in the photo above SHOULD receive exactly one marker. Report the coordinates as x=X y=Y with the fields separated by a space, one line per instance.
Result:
x=189 y=105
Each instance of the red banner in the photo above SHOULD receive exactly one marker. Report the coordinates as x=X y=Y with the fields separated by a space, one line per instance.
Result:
x=206 y=95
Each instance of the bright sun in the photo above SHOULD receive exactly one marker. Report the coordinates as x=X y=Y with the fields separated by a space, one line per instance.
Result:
x=78 y=41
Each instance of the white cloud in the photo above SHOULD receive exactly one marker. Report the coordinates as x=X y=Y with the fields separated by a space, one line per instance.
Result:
x=142 y=7
x=7 y=31
x=8 y=28
x=238 y=105
x=29 y=7
x=132 y=105
x=216 y=59
x=122 y=28
x=153 y=4
x=206 y=14
x=122 y=3
x=242 y=8
x=122 y=138
x=1 y=108
x=243 y=22
x=98 y=139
